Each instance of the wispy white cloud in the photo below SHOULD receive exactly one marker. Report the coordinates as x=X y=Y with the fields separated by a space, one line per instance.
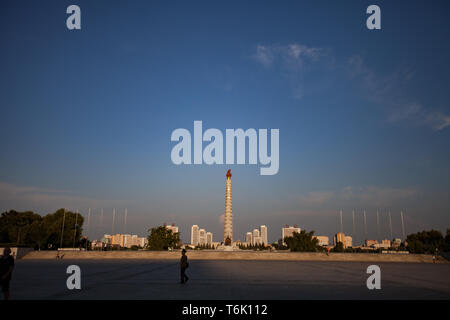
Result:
x=290 y=60
x=405 y=112
x=415 y=113
x=317 y=198
x=438 y=121
x=376 y=196
x=293 y=55
x=393 y=93
x=356 y=65
x=264 y=55
x=35 y=198
x=364 y=196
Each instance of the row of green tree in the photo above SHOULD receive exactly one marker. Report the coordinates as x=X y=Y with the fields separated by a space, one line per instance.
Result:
x=339 y=247
x=29 y=229
x=299 y=242
x=161 y=238
x=257 y=246
x=421 y=242
x=44 y=232
x=428 y=242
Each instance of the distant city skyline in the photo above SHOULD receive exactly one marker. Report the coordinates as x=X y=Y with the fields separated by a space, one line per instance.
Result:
x=275 y=231
x=199 y=236
x=363 y=115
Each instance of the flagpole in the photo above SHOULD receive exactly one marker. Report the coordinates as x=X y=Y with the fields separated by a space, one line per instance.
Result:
x=62 y=230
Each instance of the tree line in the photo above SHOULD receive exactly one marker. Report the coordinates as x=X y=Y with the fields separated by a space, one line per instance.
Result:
x=29 y=229
x=428 y=242
x=421 y=242
x=161 y=238
x=256 y=246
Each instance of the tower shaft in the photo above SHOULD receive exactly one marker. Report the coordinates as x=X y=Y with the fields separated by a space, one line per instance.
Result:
x=228 y=216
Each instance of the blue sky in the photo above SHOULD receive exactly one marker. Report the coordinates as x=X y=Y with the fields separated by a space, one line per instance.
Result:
x=364 y=116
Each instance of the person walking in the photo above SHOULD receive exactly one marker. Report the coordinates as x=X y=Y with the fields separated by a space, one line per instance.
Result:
x=183 y=266
x=6 y=268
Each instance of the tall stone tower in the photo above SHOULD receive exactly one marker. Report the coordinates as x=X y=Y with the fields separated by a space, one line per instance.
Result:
x=228 y=216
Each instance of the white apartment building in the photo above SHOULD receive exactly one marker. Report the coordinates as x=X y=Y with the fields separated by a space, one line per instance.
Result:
x=288 y=231
x=249 y=238
x=172 y=227
x=264 y=234
x=209 y=238
x=323 y=240
x=257 y=240
x=202 y=236
x=195 y=235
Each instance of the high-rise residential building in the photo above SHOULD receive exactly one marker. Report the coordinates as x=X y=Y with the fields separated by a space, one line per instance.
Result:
x=117 y=240
x=228 y=215
x=288 y=231
x=173 y=228
x=194 y=235
x=202 y=236
x=134 y=240
x=142 y=242
x=209 y=238
x=339 y=237
x=323 y=240
x=249 y=238
x=264 y=234
x=348 y=241
x=385 y=244
x=371 y=243
x=124 y=240
x=127 y=240
x=257 y=240
x=255 y=234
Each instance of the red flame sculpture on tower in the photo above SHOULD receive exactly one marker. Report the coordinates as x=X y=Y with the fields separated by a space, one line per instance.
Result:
x=229 y=173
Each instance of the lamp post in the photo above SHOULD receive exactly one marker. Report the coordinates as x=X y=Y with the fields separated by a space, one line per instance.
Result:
x=75 y=230
x=62 y=230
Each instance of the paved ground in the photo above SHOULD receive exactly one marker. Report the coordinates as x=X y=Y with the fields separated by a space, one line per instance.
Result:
x=209 y=279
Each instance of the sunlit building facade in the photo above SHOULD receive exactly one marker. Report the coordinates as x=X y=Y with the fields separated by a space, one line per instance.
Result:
x=288 y=231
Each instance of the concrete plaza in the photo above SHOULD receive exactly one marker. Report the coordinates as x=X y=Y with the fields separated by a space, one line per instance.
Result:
x=228 y=279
